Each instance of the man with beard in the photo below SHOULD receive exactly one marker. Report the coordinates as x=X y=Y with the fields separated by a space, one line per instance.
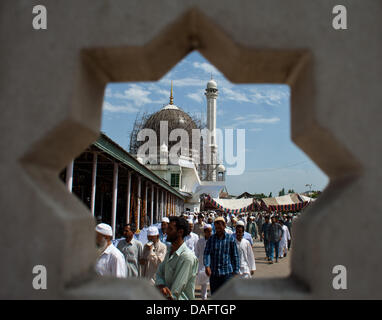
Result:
x=111 y=261
x=176 y=275
x=163 y=231
x=132 y=249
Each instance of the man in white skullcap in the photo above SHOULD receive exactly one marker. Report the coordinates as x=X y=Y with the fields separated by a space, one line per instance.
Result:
x=154 y=252
x=247 y=258
x=163 y=231
x=192 y=238
x=111 y=261
x=202 y=279
x=199 y=226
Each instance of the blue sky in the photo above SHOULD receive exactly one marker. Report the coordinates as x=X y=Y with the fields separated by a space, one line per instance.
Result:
x=272 y=160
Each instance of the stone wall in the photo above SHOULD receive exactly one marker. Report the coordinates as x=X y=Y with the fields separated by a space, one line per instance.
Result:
x=52 y=83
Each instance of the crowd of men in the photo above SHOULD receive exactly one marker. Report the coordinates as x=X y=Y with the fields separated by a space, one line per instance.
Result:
x=193 y=249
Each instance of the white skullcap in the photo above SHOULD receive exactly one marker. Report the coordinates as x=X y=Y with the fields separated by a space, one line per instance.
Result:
x=104 y=229
x=165 y=219
x=190 y=221
x=152 y=231
x=207 y=226
x=240 y=223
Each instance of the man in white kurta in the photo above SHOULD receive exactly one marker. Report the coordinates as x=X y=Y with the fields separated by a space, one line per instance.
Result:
x=192 y=238
x=202 y=279
x=247 y=258
x=154 y=252
x=111 y=261
x=283 y=244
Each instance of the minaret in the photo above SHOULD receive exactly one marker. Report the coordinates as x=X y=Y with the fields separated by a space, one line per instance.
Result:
x=211 y=94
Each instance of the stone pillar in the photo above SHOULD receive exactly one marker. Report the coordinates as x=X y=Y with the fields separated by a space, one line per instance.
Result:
x=146 y=205
x=94 y=183
x=69 y=176
x=114 y=199
x=139 y=202
x=162 y=205
x=152 y=205
x=128 y=198
x=157 y=202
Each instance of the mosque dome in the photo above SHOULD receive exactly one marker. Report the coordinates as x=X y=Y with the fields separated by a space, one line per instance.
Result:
x=176 y=118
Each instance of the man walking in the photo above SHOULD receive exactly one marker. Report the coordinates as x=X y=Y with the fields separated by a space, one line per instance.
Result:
x=266 y=235
x=176 y=275
x=192 y=238
x=154 y=252
x=252 y=228
x=199 y=226
x=221 y=257
x=202 y=279
x=132 y=250
x=275 y=234
x=111 y=261
x=259 y=223
x=285 y=238
x=247 y=259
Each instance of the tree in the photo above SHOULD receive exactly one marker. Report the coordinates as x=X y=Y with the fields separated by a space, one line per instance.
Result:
x=282 y=192
x=291 y=191
x=270 y=195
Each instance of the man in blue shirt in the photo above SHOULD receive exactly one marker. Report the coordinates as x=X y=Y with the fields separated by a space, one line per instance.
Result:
x=221 y=257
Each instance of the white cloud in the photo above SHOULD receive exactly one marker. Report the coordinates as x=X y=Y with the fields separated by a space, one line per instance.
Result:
x=185 y=82
x=197 y=96
x=107 y=106
x=271 y=96
x=252 y=118
x=206 y=67
x=234 y=95
x=262 y=120
x=136 y=94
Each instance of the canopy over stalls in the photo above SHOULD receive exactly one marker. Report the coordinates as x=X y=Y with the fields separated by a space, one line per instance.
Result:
x=234 y=205
x=289 y=202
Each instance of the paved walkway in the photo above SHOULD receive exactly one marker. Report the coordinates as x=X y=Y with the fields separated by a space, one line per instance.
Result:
x=263 y=268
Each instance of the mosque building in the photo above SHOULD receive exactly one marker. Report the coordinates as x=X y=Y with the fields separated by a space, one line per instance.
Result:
x=194 y=170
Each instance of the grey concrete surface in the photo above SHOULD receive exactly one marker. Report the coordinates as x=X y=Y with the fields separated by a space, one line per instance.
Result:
x=51 y=89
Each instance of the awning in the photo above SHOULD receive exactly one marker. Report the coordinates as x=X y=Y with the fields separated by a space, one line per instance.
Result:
x=234 y=205
x=289 y=202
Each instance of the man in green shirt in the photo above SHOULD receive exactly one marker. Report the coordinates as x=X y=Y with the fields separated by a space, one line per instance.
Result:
x=176 y=275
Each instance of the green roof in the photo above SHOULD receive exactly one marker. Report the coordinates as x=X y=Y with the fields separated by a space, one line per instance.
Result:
x=110 y=147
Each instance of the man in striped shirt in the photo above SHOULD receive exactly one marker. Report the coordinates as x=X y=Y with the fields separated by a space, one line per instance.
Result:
x=221 y=257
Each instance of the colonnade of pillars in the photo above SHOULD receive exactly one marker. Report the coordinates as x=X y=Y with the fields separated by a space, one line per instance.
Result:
x=166 y=203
